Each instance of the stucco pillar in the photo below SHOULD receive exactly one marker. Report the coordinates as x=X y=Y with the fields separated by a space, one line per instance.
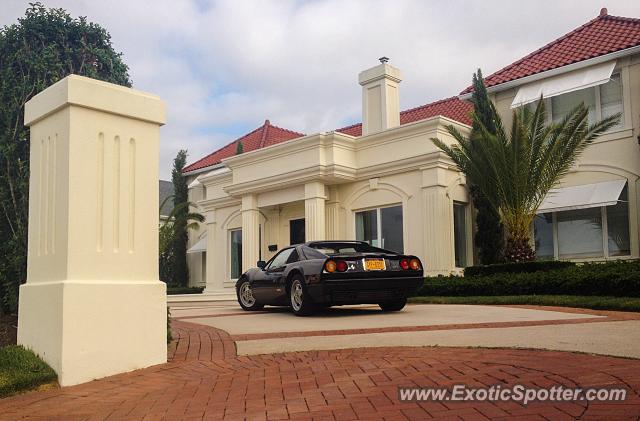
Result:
x=250 y=231
x=93 y=305
x=213 y=279
x=332 y=210
x=438 y=227
x=314 y=211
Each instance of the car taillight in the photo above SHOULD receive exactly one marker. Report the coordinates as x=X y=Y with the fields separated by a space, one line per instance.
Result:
x=341 y=265
x=330 y=266
x=404 y=264
x=415 y=264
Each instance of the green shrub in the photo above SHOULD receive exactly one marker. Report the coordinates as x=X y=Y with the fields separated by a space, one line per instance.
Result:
x=618 y=279
x=184 y=290
x=21 y=370
x=522 y=267
x=169 y=334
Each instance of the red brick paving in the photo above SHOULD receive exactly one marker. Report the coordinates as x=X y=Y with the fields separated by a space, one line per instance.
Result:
x=206 y=380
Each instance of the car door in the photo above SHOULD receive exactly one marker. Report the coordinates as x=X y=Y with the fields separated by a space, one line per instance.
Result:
x=280 y=275
x=264 y=285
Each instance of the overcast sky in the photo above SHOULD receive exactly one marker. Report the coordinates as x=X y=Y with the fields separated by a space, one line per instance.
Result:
x=223 y=67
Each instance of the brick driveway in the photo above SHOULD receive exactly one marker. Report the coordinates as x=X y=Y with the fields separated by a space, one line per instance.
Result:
x=205 y=379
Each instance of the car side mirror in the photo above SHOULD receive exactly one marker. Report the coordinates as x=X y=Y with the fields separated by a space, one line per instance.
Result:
x=261 y=264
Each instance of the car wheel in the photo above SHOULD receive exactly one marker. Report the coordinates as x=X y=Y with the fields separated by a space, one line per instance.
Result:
x=245 y=296
x=301 y=303
x=395 y=305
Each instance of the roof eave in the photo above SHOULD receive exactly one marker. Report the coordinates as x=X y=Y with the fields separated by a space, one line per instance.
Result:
x=557 y=71
x=203 y=169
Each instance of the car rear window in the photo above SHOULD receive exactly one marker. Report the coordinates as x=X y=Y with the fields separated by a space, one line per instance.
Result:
x=328 y=249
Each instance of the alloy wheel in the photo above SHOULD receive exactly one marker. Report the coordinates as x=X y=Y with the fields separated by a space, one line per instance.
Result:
x=246 y=296
x=296 y=295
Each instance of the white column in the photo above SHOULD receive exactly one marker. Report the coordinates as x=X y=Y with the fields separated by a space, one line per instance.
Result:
x=314 y=211
x=332 y=210
x=93 y=305
x=250 y=231
x=438 y=226
x=214 y=281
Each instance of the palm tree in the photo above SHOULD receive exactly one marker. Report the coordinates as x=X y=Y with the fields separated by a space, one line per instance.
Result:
x=516 y=171
x=168 y=233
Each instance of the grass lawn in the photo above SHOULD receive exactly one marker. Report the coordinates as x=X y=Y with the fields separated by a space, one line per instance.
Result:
x=22 y=370
x=580 y=301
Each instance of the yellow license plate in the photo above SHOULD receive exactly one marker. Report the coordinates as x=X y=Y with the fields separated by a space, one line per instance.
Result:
x=374 y=264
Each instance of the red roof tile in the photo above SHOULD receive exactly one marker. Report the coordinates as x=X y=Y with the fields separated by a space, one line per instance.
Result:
x=263 y=136
x=602 y=35
x=452 y=108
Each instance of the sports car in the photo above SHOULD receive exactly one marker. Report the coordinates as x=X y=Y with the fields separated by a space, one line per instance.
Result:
x=319 y=274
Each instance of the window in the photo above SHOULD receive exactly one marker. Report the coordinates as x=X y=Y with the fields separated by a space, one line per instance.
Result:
x=281 y=258
x=580 y=233
x=618 y=226
x=460 y=234
x=543 y=234
x=381 y=227
x=296 y=231
x=602 y=101
x=584 y=233
x=236 y=253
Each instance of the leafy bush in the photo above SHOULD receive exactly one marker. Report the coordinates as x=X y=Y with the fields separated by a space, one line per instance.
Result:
x=169 y=334
x=184 y=290
x=21 y=369
x=533 y=266
x=618 y=279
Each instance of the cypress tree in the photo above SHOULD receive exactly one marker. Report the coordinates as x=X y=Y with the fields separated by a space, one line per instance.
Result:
x=239 y=148
x=180 y=271
x=489 y=238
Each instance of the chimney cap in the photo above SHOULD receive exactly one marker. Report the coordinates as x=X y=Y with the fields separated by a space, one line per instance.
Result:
x=383 y=59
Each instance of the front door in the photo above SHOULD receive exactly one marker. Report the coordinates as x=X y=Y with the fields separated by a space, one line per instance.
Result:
x=296 y=231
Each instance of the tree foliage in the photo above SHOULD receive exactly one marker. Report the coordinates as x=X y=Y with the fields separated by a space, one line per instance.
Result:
x=515 y=171
x=43 y=47
x=181 y=216
x=489 y=236
x=179 y=269
x=239 y=148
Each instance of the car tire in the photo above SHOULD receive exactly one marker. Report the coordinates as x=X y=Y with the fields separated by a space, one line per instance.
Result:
x=245 y=296
x=300 y=301
x=395 y=305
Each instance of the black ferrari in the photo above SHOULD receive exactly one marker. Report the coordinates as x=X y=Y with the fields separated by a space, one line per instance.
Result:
x=326 y=273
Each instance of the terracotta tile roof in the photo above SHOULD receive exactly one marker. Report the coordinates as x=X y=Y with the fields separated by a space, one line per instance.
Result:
x=602 y=35
x=263 y=136
x=452 y=108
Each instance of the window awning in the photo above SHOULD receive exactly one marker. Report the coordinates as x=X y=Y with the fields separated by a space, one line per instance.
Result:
x=582 y=197
x=200 y=246
x=565 y=83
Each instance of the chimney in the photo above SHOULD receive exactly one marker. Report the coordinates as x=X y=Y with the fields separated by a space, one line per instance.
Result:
x=380 y=100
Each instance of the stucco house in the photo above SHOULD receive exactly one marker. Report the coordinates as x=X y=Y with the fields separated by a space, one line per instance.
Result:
x=383 y=181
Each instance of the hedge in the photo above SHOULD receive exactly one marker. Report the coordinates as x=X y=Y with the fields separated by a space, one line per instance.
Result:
x=618 y=279
x=535 y=266
x=184 y=290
